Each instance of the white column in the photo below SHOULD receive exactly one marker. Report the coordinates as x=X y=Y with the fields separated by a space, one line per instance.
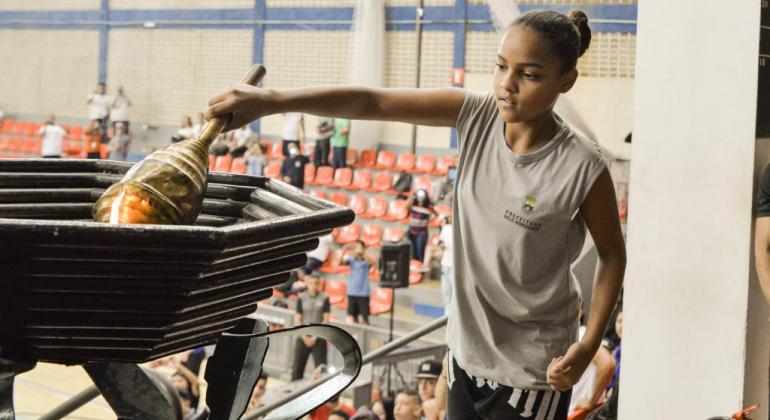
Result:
x=695 y=332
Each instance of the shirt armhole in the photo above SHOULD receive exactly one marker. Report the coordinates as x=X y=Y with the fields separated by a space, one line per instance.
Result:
x=593 y=175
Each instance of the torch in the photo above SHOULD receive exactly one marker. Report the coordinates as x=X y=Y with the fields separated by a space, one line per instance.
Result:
x=167 y=187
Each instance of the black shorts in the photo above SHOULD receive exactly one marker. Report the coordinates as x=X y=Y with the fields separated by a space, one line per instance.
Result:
x=472 y=398
x=358 y=305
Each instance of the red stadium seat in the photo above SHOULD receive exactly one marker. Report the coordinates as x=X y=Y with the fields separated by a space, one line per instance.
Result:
x=372 y=235
x=319 y=194
x=393 y=234
x=425 y=164
x=276 y=152
x=362 y=179
x=309 y=174
x=273 y=170
x=337 y=292
x=339 y=197
x=332 y=264
x=15 y=144
x=405 y=162
x=342 y=178
x=396 y=211
x=223 y=163
x=443 y=210
x=212 y=163
x=415 y=275
x=358 y=204
x=7 y=125
x=351 y=157
x=349 y=234
x=383 y=182
x=324 y=176
x=366 y=158
x=37 y=146
x=238 y=166
x=377 y=208
x=443 y=164
x=422 y=182
x=385 y=160
x=77 y=132
x=382 y=301
x=27 y=146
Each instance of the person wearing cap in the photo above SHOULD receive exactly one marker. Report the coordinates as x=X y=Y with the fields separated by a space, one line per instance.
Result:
x=427 y=376
x=420 y=212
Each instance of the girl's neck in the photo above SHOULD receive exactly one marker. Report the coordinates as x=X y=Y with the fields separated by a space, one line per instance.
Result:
x=529 y=136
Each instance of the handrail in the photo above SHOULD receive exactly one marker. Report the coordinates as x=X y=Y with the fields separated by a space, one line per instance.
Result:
x=386 y=349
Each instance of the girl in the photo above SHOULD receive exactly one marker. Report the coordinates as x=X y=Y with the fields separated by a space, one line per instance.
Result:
x=420 y=213
x=255 y=161
x=527 y=187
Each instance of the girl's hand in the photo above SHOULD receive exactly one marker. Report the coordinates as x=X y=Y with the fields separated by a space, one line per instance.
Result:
x=565 y=371
x=246 y=103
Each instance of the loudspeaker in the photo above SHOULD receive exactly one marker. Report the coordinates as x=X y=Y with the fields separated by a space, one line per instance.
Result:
x=394 y=264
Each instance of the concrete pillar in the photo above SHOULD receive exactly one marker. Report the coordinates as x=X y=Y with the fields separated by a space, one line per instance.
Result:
x=695 y=339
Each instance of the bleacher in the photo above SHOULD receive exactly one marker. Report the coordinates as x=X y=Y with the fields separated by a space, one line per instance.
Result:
x=21 y=139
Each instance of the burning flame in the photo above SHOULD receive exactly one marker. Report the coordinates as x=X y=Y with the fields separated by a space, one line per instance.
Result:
x=115 y=209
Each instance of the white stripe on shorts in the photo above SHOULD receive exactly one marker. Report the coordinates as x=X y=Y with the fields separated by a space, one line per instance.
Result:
x=543 y=409
x=515 y=397
x=554 y=405
x=531 y=397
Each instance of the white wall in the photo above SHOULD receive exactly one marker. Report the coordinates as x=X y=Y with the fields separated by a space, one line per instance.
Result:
x=688 y=277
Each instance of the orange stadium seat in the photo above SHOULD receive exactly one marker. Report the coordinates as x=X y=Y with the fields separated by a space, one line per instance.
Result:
x=362 y=179
x=212 y=162
x=396 y=211
x=238 y=166
x=77 y=132
x=358 y=204
x=443 y=164
x=443 y=210
x=276 y=152
x=415 y=276
x=332 y=264
x=342 y=178
x=393 y=234
x=349 y=234
x=382 y=301
x=366 y=158
x=324 y=176
x=383 y=182
x=223 y=163
x=385 y=160
x=14 y=144
x=337 y=292
x=340 y=198
x=425 y=164
x=351 y=157
x=376 y=208
x=372 y=235
x=405 y=162
x=309 y=174
x=273 y=170
x=319 y=194
x=422 y=182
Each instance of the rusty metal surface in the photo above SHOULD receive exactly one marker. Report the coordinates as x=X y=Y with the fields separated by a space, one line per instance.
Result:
x=74 y=290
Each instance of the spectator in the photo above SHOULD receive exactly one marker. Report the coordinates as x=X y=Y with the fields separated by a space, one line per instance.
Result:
x=420 y=211
x=120 y=110
x=219 y=146
x=325 y=132
x=383 y=408
x=98 y=106
x=445 y=187
x=242 y=137
x=293 y=168
x=188 y=408
x=255 y=160
x=93 y=137
x=591 y=388
x=427 y=377
x=200 y=122
x=447 y=262
x=52 y=138
x=609 y=411
x=408 y=405
x=185 y=130
x=323 y=412
x=312 y=308
x=358 y=281
x=293 y=130
x=119 y=143
x=316 y=257
x=255 y=402
x=364 y=413
x=339 y=415
x=339 y=142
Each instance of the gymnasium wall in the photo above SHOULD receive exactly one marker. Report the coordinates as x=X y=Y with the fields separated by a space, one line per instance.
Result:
x=172 y=55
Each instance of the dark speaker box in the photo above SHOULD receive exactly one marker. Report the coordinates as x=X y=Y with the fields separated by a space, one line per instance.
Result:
x=394 y=264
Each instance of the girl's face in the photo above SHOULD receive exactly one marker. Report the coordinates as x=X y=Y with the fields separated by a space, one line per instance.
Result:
x=619 y=325
x=528 y=76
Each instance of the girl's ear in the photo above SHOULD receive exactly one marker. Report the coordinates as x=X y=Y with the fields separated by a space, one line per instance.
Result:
x=568 y=80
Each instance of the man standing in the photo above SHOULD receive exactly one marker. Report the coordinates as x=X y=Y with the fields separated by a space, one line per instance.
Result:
x=99 y=106
x=52 y=138
x=339 y=142
x=120 y=110
x=293 y=168
x=312 y=308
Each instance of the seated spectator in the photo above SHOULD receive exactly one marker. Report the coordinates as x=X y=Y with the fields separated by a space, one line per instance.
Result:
x=408 y=405
x=383 y=408
x=610 y=410
x=219 y=146
x=312 y=308
x=185 y=130
x=591 y=388
x=119 y=143
x=292 y=286
x=316 y=257
x=255 y=160
x=293 y=168
x=323 y=412
x=358 y=281
x=427 y=376
x=53 y=134
x=255 y=402
x=93 y=136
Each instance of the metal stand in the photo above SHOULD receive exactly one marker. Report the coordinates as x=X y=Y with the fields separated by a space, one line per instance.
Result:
x=390 y=334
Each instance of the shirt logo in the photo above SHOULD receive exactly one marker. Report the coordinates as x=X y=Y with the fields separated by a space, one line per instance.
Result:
x=529 y=204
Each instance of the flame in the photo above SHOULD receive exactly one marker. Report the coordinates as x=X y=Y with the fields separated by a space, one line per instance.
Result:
x=115 y=209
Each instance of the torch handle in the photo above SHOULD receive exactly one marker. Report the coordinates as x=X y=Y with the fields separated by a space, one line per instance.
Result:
x=215 y=125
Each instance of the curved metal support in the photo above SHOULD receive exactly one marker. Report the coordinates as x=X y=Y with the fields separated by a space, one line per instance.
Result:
x=324 y=389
